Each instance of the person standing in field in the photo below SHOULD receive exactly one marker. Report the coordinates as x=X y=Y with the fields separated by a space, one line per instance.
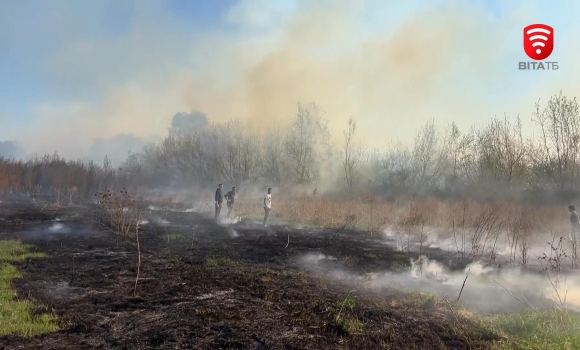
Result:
x=267 y=205
x=218 y=202
x=230 y=196
x=575 y=223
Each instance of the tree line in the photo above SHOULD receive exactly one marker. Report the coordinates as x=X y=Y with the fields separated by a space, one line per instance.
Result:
x=494 y=161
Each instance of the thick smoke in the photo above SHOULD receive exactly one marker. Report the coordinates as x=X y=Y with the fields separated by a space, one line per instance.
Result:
x=494 y=280
x=11 y=149
x=479 y=286
x=373 y=60
x=183 y=123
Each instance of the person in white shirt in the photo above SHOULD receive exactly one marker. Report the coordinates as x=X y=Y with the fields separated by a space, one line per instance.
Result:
x=574 y=223
x=267 y=205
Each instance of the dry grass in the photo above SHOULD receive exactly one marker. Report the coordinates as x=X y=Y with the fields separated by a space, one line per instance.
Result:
x=379 y=213
x=471 y=229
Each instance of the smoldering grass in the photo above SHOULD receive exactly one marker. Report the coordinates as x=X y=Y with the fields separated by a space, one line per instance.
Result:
x=490 y=232
x=533 y=328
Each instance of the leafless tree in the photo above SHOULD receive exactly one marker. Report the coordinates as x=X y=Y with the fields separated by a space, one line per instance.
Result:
x=353 y=153
x=394 y=168
x=465 y=163
x=502 y=151
x=559 y=123
x=234 y=152
x=461 y=156
x=272 y=164
x=428 y=158
x=306 y=143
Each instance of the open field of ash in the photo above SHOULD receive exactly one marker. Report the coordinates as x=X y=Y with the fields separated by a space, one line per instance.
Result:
x=206 y=286
x=178 y=280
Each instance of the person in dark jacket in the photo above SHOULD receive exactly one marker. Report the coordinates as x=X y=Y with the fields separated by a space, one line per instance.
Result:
x=218 y=201
x=230 y=197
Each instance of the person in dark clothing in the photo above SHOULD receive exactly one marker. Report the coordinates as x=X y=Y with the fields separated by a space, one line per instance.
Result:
x=230 y=197
x=575 y=223
x=218 y=201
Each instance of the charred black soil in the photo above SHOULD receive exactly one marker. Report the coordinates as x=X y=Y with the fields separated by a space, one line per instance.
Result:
x=204 y=286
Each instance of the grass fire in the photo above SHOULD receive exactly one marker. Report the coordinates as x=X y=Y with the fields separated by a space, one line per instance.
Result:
x=97 y=256
x=286 y=175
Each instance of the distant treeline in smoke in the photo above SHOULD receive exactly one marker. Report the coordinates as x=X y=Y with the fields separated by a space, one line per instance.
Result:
x=494 y=161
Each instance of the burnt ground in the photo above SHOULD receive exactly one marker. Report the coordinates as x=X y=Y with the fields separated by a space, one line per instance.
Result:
x=204 y=286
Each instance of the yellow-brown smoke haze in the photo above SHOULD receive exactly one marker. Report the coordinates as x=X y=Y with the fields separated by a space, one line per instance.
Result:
x=390 y=81
x=439 y=63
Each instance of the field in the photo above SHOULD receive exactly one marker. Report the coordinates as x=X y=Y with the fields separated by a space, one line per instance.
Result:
x=418 y=202
x=185 y=282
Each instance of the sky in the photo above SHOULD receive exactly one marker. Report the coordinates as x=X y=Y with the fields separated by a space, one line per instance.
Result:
x=86 y=77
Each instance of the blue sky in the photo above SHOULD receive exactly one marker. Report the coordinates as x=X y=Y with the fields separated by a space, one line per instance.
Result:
x=22 y=46
x=74 y=71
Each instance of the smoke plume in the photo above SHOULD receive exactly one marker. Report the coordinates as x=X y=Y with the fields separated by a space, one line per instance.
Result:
x=377 y=61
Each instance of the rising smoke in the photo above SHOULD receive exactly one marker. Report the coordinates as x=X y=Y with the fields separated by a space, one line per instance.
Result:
x=369 y=59
x=479 y=286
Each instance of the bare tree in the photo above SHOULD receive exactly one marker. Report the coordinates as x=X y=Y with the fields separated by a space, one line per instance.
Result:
x=108 y=173
x=306 y=144
x=272 y=164
x=460 y=158
x=395 y=169
x=559 y=123
x=502 y=151
x=428 y=158
x=456 y=162
x=234 y=152
x=352 y=156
